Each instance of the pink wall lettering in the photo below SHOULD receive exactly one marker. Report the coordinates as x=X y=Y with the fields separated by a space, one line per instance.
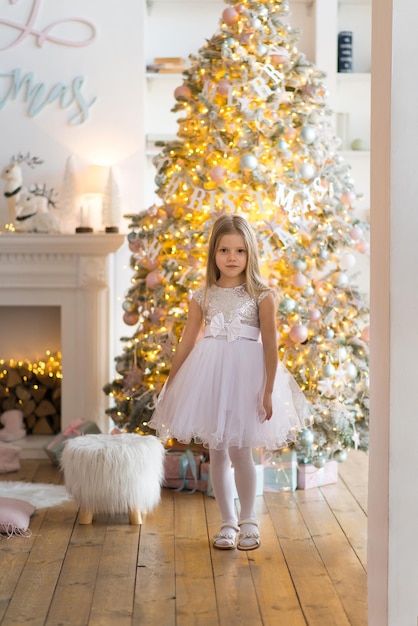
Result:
x=45 y=34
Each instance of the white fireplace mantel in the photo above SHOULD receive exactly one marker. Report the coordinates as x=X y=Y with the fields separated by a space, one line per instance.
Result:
x=73 y=272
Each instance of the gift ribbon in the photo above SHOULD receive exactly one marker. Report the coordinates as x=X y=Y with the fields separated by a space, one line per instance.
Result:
x=187 y=459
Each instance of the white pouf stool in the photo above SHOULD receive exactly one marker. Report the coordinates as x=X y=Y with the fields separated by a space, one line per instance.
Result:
x=114 y=474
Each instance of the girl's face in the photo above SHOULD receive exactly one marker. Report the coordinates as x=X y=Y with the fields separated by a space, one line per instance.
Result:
x=231 y=259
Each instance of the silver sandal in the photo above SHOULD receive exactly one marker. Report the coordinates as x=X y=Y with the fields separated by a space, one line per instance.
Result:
x=253 y=536
x=227 y=538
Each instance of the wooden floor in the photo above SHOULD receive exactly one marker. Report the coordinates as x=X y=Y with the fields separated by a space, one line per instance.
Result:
x=310 y=569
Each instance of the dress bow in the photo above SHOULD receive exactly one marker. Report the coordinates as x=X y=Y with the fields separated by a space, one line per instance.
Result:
x=232 y=330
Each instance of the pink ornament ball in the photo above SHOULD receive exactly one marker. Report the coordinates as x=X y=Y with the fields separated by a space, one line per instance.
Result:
x=131 y=318
x=348 y=198
x=280 y=56
x=300 y=280
x=153 y=279
x=223 y=87
x=365 y=334
x=363 y=247
x=230 y=16
x=348 y=261
x=183 y=92
x=298 y=333
x=314 y=315
x=356 y=233
x=217 y=173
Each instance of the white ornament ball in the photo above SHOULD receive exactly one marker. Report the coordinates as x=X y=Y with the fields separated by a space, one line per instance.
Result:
x=341 y=279
x=298 y=333
x=301 y=265
x=308 y=291
x=342 y=353
x=351 y=370
x=248 y=162
x=307 y=171
x=308 y=134
x=348 y=261
x=262 y=49
x=329 y=333
x=282 y=145
x=328 y=370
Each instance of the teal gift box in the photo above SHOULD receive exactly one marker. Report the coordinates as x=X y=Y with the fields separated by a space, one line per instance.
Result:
x=75 y=429
x=280 y=469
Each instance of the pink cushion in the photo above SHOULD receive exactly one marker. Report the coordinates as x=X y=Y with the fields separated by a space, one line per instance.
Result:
x=14 y=517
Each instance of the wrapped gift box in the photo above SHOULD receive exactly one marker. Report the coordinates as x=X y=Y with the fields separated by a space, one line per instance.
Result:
x=280 y=472
x=75 y=429
x=310 y=476
x=182 y=471
x=280 y=468
x=260 y=482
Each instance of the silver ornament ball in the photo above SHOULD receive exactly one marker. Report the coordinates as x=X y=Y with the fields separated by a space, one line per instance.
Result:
x=287 y=305
x=308 y=134
x=340 y=456
x=305 y=437
x=248 y=162
x=328 y=370
x=319 y=460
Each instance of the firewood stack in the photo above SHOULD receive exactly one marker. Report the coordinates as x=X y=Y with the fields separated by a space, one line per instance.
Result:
x=37 y=395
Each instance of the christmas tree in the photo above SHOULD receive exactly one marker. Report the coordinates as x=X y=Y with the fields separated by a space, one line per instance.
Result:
x=255 y=136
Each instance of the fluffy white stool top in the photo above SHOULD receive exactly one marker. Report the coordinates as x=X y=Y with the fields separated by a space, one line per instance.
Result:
x=114 y=473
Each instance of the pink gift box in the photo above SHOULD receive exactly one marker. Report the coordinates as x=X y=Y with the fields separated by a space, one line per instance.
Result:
x=310 y=476
x=183 y=471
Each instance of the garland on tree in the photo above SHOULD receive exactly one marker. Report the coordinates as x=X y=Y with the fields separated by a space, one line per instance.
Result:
x=255 y=136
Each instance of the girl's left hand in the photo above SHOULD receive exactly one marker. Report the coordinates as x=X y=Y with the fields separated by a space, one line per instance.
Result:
x=267 y=405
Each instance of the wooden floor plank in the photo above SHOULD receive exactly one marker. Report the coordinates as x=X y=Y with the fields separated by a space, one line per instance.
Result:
x=36 y=586
x=318 y=598
x=344 y=568
x=350 y=516
x=235 y=594
x=195 y=589
x=274 y=587
x=73 y=597
x=353 y=472
x=155 y=594
x=113 y=599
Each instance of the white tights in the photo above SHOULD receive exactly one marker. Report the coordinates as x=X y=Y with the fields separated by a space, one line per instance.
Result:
x=223 y=483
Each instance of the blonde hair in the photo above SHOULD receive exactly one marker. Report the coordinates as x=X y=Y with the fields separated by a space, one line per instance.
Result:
x=225 y=225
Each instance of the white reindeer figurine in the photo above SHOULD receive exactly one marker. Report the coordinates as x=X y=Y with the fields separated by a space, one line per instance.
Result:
x=34 y=215
x=12 y=174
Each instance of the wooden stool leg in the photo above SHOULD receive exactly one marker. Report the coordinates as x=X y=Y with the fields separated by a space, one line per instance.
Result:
x=135 y=517
x=85 y=516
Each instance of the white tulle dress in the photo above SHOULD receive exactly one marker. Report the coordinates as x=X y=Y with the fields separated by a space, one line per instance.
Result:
x=216 y=396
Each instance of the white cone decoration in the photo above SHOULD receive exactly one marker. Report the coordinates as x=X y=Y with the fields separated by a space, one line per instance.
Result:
x=111 y=202
x=69 y=197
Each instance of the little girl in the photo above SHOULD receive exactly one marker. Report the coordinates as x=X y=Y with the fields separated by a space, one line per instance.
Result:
x=228 y=390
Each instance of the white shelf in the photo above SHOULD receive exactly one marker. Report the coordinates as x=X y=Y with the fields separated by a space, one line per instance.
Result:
x=346 y=2
x=349 y=77
x=164 y=75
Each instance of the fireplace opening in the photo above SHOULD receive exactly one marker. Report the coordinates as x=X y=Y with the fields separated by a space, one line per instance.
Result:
x=30 y=365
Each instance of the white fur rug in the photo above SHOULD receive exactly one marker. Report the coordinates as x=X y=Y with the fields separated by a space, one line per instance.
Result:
x=40 y=495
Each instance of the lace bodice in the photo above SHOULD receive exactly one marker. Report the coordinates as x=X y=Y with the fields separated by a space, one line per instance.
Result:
x=233 y=302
